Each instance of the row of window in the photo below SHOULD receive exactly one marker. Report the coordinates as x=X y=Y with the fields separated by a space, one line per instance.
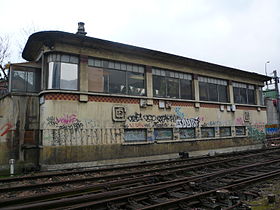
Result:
x=131 y=135
x=172 y=84
x=213 y=89
x=123 y=78
x=115 y=77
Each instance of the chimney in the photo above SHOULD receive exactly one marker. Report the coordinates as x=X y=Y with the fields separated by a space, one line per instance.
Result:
x=81 y=29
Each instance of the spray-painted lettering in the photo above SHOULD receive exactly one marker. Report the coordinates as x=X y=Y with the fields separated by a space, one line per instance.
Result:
x=6 y=128
x=187 y=123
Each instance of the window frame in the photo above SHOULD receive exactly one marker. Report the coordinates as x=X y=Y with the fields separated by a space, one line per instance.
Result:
x=187 y=129
x=204 y=128
x=244 y=97
x=36 y=75
x=243 y=134
x=225 y=127
x=207 y=84
x=163 y=139
x=135 y=129
x=126 y=68
x=60 y=59
x=165 y=75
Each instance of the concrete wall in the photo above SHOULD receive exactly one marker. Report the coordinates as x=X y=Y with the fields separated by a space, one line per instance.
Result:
x=272 y=114
x=273 y=124
x=6 y=128
x=74 y=131
x=19 y=138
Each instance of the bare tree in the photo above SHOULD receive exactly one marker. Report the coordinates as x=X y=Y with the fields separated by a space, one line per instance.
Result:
x=24 y=34
x=4 y=54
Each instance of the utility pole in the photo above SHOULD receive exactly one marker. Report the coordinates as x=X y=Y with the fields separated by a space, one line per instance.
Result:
x=276 y=80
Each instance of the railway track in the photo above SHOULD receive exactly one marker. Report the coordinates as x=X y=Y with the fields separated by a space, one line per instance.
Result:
x=144 y=187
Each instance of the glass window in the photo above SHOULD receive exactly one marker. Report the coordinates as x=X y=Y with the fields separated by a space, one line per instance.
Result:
x=223 y=93
x=115 y=77
x=135 y=135
x=240 y=131
x=62 y=72
x=163 y=133
x=251 y=96
x=211 y=89
x=186 y=89
x=213 y=92
x=136 y=83
x=243 y=93
x=159 y=86
x=117 y=82
x=172 y=88
x=207 y=132
x=171 y=84
x=225 y=131
x=203 y=91
x=69 y=76
x=26 y=80
x=187 y=133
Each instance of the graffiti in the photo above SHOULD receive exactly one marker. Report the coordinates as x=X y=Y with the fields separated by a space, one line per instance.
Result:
x=187 y=123
x=239 y=121
x=257 y=131
x=272 y=130
x=135 y=118
x=135 y=135
x=216 y=123
x=65 y=137
x=163 y=134
x=138 y=120
x=67 y=119
x=65 y=122
x=7 y=127
x=179 y=113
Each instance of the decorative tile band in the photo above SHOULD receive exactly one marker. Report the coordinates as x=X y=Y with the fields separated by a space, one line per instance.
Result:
x=63 y=97
x=75 y=97
x=124 y=100
x=176 y=103
x=114 y=99
x=247 y=108
x=206 y=105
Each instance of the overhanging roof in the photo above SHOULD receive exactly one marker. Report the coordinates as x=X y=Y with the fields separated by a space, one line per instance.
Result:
x=48 y=38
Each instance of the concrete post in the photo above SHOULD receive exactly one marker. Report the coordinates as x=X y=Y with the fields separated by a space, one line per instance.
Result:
x=257 y=92
x=230 y=92
x=196 y=87
x=149 y=81
x=83 y=73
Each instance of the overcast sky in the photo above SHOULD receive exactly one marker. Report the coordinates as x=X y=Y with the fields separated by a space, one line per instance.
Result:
x=243 y=34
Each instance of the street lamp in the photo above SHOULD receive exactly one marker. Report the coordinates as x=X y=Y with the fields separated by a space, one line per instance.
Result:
x=265 y=67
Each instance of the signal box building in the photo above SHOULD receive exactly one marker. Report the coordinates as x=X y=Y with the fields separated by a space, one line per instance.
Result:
x=82 y=101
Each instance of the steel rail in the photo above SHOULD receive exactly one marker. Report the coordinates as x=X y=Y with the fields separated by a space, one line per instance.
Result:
x=126 y=193
x=181 y=167
x=130 y=166
x=242 y=183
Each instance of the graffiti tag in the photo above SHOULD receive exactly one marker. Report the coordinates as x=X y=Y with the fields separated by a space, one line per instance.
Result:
x=187 y=123
x=7 y=127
